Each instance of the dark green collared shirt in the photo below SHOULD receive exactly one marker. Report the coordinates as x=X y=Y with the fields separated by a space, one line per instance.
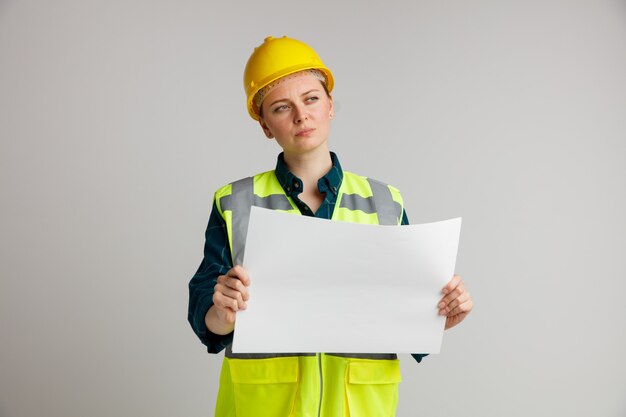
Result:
x=217 y=257
x=328 y=185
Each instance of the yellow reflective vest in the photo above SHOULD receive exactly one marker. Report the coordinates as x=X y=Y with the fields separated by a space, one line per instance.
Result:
x=307 y=384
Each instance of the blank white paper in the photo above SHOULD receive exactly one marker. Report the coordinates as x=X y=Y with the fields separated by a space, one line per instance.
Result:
x=326 y=286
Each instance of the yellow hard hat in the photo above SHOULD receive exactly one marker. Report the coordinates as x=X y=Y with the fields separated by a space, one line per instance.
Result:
x=274 y=59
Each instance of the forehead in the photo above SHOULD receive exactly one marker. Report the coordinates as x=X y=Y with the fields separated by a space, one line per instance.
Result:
x=297 y=84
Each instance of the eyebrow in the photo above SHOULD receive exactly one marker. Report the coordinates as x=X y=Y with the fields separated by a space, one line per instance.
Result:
x=301 y=95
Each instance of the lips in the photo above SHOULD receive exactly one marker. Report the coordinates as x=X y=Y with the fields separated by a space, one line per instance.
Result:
x=304 y=132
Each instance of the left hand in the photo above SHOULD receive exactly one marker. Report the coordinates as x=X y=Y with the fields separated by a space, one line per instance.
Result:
x=456 y=303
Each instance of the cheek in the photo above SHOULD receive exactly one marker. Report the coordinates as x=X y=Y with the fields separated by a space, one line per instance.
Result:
x=275 y=126
x=321 y=112
x=327 y=108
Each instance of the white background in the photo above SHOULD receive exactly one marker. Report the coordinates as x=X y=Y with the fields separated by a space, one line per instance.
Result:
x=118 y=120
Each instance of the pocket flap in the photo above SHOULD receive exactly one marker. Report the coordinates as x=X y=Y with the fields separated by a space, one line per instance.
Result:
x=264 y=371
x=374 y=372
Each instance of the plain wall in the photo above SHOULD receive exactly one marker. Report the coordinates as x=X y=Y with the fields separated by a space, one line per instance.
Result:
x=119 y=119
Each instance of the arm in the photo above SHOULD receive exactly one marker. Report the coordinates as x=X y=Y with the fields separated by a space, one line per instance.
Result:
x=216 y=262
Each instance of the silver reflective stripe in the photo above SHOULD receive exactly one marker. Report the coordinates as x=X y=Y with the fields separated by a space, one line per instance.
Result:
x=229 y=354
x=226 y=203
x=239 y=202
x=388 y=356
x=273 y=201
x=356 y=202
x=389 y=212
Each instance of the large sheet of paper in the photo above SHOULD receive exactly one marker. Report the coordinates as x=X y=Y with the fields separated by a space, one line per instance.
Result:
x=323 y=286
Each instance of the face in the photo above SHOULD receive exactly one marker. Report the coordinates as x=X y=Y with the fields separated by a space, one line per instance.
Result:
x=297 y=113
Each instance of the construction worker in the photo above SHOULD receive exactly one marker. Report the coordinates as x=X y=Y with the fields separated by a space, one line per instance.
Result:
x=288 y=92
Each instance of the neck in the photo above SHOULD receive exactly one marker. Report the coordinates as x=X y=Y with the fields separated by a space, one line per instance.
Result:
x=310 y=167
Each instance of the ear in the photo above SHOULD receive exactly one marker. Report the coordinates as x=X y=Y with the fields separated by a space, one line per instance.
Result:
x=331 y=110
x=266 y=129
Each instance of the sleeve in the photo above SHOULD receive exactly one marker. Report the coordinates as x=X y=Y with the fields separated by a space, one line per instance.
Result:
x=216 y=261
x=417 y=356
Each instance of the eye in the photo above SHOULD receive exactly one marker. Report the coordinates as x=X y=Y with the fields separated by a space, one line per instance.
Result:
x=279 y=109
x=312 y=99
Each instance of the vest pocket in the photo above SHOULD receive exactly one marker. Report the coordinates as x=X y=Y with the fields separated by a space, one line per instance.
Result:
x=372 y=387
x=264 y=387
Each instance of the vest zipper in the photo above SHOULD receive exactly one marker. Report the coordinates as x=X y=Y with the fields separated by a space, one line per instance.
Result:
x=319 y=363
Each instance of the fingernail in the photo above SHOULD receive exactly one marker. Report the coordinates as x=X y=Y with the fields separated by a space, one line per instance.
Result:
x=445 y=291
x=441 y=305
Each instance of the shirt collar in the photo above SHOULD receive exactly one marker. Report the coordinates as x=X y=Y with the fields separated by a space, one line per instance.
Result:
x=292 y=185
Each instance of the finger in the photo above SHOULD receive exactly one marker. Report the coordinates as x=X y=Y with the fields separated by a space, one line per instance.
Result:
x=445 y=309
x=240 y=273
x=452 y=284
x=234 y=284
x=456 y=293
x=230 y=293
x=463 y=308
x=225 y=303
x=463 y=298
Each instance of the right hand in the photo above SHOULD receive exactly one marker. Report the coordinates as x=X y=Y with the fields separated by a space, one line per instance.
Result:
x=231 y=294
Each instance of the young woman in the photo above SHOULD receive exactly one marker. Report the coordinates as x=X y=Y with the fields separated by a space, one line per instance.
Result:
x=288 y=93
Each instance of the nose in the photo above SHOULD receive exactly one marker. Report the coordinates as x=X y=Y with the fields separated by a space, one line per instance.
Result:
x=300 y=115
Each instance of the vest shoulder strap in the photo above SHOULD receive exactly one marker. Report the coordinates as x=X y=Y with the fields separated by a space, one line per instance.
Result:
x=372 y=196
x=239 y=197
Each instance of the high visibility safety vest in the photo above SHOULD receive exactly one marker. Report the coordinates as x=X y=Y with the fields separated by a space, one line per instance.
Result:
x=307 y=384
